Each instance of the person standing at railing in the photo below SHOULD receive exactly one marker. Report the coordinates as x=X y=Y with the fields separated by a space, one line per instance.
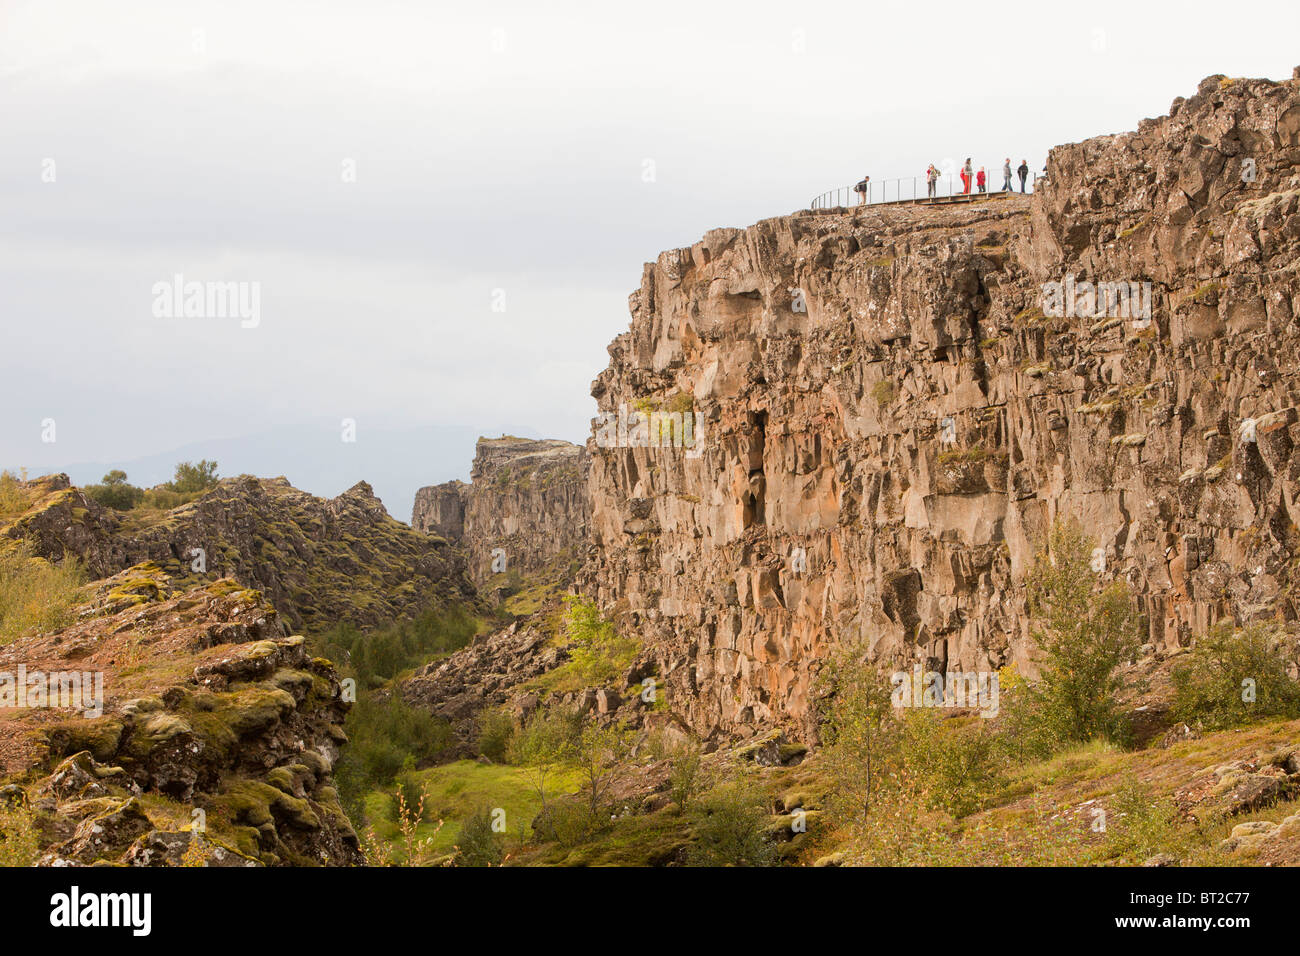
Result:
x=1023 y=172
x=981 y=180
x=966 y=176
x=1006 y=176
x=861 y=190
x=931 y=180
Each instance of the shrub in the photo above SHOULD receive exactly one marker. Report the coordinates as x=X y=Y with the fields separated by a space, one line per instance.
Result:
x=1232 y=677
x=191 y=477
x=36 y=593
x=114 y=492
x=19 y=835
x=950 y=765
x=598 y=654
x=685 y=775
x=730 y=831
x=13 y=500
x=478 y=843
x=496 y=728
x=1084 y=631
x=376 y=657
x=411 y=849
x=385 y=738
x=566 y=822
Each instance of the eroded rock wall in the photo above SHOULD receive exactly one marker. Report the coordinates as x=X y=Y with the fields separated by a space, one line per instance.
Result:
x=892 y=422
x=526 y=497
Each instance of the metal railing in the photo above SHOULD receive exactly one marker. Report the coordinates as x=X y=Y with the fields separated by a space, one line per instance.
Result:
x=947 y=188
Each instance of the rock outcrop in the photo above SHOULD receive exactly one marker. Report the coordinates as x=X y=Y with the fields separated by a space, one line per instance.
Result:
x=525 y=509
x=320 y=561
x=440 y=510
x=211 y=739
x=894 y=404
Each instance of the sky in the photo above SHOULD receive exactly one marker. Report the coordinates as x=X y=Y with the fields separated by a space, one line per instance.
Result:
x=441 y=208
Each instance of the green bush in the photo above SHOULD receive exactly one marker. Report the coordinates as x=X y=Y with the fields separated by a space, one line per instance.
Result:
x=598 y=655
x=478 y=843
x=1235 y=676
x=496 y=728
x=952 y=765
x=730 y=829
x=114 y=492
x=1084 y=631
x=387 y=737
x=19 y=835
x=191 y=477
x=378 y=656
x=36 y=593
x=685 y=775
x=566 y=822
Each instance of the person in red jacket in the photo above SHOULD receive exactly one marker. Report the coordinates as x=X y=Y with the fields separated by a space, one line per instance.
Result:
x=980 y=179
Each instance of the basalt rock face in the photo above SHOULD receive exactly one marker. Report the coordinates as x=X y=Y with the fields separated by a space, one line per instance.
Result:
x=440 y=510
x=891 y=422
x=319 y=560
x=210 y=737
x=527 y=498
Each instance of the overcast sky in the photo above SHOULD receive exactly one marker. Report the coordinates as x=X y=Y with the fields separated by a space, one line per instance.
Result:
x=389 y=172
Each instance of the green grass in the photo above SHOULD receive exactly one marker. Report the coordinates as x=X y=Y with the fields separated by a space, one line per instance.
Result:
x=458 y=789
x=34 y=593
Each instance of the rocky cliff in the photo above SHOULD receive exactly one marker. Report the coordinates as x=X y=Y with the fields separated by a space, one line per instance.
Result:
x=211 y=738
x=895 y=403
x=525 y=509
x=319 y=561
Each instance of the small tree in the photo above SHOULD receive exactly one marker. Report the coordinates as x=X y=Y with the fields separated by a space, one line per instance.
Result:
x=1084 y=631
x=113 y=491
x=496 y=728
x=731 y=829
x=194 y=477
x=1232 y=677
x=478 y=843
x=857 y=726
x=600 y=753
x=544 y=743
x=685 y=774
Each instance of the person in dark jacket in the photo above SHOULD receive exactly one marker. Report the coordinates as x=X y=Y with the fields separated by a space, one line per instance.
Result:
x=861 y=190
x=1023 y=172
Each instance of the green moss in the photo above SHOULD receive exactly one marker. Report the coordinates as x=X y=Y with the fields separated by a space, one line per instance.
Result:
x=257 y=804
x=101 y=736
